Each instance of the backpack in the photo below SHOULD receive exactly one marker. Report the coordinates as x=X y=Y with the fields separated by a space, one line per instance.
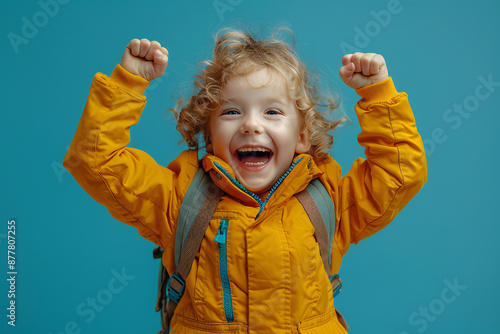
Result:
x=195 y=213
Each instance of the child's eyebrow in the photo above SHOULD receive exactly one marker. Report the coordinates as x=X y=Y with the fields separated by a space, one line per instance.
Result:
x=264 y=100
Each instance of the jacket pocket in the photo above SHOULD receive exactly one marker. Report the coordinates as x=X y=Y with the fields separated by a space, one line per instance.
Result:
x=323 y=324
x=185 y=325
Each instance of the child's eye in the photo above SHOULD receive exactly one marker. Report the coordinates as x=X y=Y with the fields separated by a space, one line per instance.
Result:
x=231 y=112
x=273 y=112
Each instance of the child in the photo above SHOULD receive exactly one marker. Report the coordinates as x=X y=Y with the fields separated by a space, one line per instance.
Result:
x=257 y=115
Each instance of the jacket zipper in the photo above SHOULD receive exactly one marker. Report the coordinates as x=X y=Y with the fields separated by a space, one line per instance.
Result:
x=221 y=239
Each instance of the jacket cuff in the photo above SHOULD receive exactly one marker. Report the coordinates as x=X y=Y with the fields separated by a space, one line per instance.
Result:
x=379 y=92
x=132 y=82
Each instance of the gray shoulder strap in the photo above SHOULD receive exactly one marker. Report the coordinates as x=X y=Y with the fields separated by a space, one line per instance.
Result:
x=190 y=207
x=320 y=209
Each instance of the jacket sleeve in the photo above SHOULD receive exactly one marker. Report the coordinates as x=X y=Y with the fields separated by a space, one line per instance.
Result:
x=128 y=182
x=377 y=188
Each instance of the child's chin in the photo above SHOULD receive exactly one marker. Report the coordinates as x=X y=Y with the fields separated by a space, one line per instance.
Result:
x=253 y=182
x=262 y=191
x=256 y=188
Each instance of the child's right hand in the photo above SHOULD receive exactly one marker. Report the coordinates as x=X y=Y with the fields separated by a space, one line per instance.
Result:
x=144 y=58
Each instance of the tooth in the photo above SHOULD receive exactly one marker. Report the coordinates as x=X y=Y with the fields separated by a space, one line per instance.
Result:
x=255 y=163
x=256 y=149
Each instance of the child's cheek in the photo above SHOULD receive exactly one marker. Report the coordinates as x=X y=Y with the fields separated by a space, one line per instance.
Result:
x=221 y=138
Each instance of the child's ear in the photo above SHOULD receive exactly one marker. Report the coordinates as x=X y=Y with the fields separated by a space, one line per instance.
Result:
x=209 y=148
x=304 y=144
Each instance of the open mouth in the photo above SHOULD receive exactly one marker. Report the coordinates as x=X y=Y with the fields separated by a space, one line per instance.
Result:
x=254 y=156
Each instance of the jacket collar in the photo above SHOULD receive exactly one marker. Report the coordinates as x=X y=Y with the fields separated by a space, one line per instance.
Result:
x=302 y=170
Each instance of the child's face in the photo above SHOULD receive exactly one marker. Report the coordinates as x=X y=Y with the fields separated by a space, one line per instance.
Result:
x=257 y=130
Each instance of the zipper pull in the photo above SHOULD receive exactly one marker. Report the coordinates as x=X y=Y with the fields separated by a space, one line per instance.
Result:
x=222 y=234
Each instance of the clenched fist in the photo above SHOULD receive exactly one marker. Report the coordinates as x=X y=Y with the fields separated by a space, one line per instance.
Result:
x=363 y=69
x=144 y=58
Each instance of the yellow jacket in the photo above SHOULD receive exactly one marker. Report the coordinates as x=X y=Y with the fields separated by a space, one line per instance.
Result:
x=277 y=280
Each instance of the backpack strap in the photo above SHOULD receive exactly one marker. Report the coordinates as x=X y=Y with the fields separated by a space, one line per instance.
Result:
x=320 y=209
x=201 y=188
x=197 y=208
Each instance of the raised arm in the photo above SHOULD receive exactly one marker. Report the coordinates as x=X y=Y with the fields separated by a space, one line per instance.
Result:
x=375 y=189
x=132 y=186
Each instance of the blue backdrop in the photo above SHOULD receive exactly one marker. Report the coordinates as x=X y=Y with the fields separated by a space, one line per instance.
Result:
x=433 y=270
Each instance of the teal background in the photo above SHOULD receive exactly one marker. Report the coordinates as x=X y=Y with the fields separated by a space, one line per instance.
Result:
x=68 y=246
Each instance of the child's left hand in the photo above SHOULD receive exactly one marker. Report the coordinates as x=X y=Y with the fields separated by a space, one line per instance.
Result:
x=363 y=69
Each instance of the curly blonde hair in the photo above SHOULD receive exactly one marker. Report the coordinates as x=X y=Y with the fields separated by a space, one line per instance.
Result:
x=238 y=53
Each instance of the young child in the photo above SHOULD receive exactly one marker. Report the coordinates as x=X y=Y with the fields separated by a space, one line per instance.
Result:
x=256 y=112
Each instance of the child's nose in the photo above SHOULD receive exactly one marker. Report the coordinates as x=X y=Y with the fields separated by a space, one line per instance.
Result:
x=252 y=125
